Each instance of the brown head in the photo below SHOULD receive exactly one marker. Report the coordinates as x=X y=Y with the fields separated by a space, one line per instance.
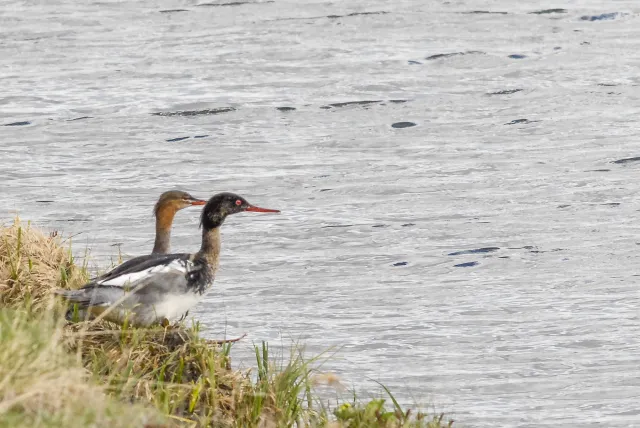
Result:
x=174 y=201
x=168 y=204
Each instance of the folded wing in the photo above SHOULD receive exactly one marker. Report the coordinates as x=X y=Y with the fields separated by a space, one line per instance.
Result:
x=145 y=290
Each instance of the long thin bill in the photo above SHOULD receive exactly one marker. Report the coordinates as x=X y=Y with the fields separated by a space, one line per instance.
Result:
x=260 y=210
x=198 y=202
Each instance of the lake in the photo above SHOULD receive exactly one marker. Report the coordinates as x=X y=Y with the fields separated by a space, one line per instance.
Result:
x=457 y=180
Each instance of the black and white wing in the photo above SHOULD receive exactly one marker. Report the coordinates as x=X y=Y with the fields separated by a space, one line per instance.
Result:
x=130 y=265
x=160 y=288
x=158 y=273
x=134 y=269
x=166 y=292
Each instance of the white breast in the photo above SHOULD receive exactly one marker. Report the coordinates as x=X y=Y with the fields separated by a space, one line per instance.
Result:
x=173 y=306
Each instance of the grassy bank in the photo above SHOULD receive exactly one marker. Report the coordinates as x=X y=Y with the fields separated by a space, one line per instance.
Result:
x=53 y=373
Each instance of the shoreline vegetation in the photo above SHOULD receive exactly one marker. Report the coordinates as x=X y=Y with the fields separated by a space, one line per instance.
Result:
x=57 y=374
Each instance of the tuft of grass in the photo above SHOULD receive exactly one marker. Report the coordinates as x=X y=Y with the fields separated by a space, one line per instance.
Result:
x=173 y=369
x=54 y=373
x=375 y=413
x=41 y=384
x=32 y=265
x=186 y=378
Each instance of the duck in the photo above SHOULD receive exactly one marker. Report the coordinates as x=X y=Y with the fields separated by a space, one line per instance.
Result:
x=169 y=203
x=161 y=289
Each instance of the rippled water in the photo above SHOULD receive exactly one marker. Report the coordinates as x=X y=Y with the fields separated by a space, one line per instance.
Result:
x=483 y=260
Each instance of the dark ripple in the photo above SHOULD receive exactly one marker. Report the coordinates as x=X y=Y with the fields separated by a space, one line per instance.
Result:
x=208 y=111
x=286 y=108
x=352 y=103
x=482 y=250
x=23 y=123
x=363 y=103
x=173 y=10
x=403 y=125
x=79 y=118
x=554 y=250
x=523 y=121
x=601 y=17
x=173 y=140
x=546 y=11
x=517 y=56
x=382 y=12
x=401 y=263
x=505 y=92
x=357 y=14
x=627 y=160
x=483 y=12
x=467 y=264
x=448 y=55
x=233 y=3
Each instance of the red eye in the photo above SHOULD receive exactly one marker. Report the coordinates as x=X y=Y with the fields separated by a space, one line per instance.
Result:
x=238 y=202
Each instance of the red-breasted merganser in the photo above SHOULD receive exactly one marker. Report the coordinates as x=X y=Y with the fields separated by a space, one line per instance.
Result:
x=165 y=209
x=163 y=287
x=169 y=203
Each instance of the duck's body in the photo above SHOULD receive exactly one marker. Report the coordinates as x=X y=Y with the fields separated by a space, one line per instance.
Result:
x=159 y=288
x=163 y=288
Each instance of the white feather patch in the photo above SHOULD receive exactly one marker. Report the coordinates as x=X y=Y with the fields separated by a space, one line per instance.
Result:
x=174 y=306
x=130 y=278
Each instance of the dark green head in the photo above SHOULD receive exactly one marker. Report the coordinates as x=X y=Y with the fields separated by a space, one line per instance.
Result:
x=224 y=204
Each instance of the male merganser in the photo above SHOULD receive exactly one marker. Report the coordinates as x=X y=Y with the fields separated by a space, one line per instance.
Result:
x=162 y=288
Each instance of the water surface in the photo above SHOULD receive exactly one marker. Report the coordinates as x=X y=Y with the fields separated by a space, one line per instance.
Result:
x=457 y=180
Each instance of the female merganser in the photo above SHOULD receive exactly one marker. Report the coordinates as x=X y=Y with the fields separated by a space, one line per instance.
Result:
x=165 y=209
x=162 y=288
x=169 y=203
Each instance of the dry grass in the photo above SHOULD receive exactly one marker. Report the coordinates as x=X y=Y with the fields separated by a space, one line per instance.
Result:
x=41 y=384
x=53 y=373
x=173 y=369
x=32 y=264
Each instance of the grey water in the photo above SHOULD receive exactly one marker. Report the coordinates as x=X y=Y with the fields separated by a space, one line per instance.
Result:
x=458 y=181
